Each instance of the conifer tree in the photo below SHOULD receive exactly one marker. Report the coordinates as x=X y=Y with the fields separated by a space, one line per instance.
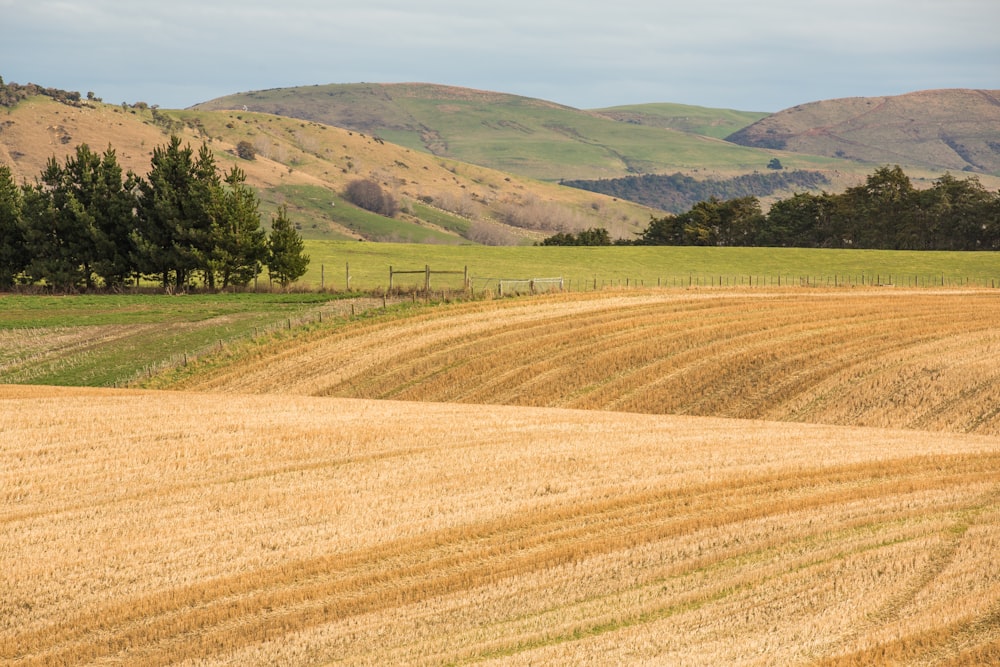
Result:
x=13 y=255
x=59 y=231
x=177 y=214
x=240 y=245
x=286 y=262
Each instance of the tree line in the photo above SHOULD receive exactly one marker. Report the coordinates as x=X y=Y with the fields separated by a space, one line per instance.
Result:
x=86 y=224
x=678 y=192
x=886 y=212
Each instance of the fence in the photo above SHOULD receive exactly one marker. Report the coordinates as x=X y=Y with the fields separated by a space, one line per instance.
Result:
x=789 y=280
x=427 y=273
x=510 y=286
x=481 y=285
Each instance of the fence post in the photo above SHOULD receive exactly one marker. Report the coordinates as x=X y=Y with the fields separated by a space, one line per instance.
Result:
x=348 y=280
x=322 y=276
x=465 y=278
x=427 y=278
x=390 y=277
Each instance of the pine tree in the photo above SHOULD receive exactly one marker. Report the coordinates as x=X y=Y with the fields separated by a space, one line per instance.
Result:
x=240 y=245
x=286 y=263
x=114 y=212
x=178 y=212
x=161 y=212
x=13 y=255
x=58 y=231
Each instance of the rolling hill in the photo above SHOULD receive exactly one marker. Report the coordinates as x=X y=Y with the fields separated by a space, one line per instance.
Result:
x=927 y=131
x=528 y=136
x=956 y=130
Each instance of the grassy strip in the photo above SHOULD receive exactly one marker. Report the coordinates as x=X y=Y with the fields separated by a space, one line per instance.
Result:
x=583 y=267
x=113 y=338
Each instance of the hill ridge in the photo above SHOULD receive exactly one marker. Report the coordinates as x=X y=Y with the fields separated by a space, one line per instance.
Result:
x=946 y=128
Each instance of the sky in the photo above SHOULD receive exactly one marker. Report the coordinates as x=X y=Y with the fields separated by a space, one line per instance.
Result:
x=765 y=55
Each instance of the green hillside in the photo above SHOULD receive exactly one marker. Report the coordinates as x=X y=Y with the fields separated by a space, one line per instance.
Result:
x=526 y=136
x=717 y=123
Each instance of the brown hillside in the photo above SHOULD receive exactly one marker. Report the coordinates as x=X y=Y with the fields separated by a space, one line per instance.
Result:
x=290 y=152
x=956 y=129
x=40 y=128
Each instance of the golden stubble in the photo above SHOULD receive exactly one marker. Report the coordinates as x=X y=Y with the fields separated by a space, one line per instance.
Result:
x=921 y=359
x=164 y=527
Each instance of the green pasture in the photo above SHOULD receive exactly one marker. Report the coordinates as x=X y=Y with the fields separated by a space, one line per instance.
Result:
x=312 y=208
x=583 y=267
x=103 y=340
x=718 y=123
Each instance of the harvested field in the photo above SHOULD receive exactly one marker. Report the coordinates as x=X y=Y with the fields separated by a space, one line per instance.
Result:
x=169 y=527
x=921 y=359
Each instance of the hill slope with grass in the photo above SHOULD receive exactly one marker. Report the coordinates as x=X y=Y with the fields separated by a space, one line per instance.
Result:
x=528 y=136
x=957 y=130
x=841 y=141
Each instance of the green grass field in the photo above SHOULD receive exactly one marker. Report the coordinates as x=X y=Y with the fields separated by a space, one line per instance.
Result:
x=102 y=340
x=582 y=267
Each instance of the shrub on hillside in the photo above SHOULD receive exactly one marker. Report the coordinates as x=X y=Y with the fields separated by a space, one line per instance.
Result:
x=246 y=150
x=370 y=196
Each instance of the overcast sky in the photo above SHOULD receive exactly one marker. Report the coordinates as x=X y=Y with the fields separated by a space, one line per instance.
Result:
x=765 y=55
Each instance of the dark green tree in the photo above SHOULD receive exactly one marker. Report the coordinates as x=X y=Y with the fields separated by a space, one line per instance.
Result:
x=594 y=236
x=955 y=214
x=740 y=221
x=96 y=182
x=13 y=254
x=240 y=245
x=59 y=232
x=161 y=209
x=286 y=262
x=115 y=218
x=560 y=238
x=178 y=211
x=668 y=230
x=878 y=214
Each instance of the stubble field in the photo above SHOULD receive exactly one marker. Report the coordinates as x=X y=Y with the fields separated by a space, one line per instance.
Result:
x=278 y=507
x=922 y=359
